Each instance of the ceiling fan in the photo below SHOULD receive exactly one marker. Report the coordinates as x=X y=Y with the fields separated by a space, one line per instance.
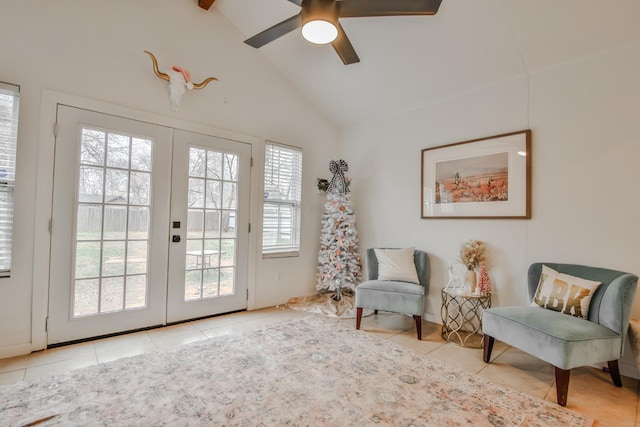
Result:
x=320 y=24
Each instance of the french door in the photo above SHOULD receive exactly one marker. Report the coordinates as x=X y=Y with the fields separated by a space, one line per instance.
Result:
x=113 y=265
x=209 y=216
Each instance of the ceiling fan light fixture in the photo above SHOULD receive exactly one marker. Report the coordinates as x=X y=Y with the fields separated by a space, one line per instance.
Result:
x=319 y=21
x=319 y=31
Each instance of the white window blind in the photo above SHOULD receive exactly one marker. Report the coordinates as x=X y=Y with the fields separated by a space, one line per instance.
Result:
x=9 y=107
x=282 y=200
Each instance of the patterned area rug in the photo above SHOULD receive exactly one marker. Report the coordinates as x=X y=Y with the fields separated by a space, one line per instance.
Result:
x=311 y=372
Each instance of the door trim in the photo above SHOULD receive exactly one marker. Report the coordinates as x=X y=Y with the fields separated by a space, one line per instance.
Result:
x=44 y=193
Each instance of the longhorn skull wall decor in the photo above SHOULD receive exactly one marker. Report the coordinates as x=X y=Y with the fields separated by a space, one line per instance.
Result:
x=179 y=81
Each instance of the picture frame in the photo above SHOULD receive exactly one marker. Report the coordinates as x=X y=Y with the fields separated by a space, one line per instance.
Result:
x=482 y=178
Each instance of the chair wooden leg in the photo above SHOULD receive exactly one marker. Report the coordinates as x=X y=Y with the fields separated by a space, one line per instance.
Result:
x=418 y=320
x=487 y=345
x=562 y=385
x=615 y=372
x=358 y=317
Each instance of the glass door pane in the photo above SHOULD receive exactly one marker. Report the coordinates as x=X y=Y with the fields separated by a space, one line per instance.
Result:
x=211 y=229
x=114 y=200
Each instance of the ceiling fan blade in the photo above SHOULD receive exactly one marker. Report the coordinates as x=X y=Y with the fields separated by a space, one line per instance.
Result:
x=298 y=2
x=205 y=4
x=278 y=30
x=344 y=48
x=359 y=8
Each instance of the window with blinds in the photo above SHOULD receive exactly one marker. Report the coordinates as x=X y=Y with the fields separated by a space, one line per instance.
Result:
x=282 y=200
x=9 y=107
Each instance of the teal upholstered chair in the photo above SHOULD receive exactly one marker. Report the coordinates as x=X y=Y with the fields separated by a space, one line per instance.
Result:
x=394 y=296
x=563 y=340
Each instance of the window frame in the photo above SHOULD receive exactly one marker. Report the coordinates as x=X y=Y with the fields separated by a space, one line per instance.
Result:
x=8 y=149
x=291 y=203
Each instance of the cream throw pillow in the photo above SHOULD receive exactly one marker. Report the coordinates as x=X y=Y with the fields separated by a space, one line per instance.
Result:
x=564 y=293
x=397 y=265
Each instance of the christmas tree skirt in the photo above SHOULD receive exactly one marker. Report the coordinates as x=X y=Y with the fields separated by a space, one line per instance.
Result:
x=324 y=304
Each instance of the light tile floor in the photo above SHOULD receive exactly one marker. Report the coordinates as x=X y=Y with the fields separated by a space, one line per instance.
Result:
x=591 y=391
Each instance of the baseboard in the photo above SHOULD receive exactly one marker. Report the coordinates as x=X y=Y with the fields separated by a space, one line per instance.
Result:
x=628 y=370
x=15 y=350
x=430 y=317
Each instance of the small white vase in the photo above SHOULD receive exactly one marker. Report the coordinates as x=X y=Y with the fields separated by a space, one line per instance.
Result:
x=470 y=281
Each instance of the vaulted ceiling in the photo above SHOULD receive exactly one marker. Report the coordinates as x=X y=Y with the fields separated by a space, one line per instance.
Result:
x=411 y=61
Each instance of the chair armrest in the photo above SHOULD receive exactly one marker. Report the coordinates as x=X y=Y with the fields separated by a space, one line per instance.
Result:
x=614 y=309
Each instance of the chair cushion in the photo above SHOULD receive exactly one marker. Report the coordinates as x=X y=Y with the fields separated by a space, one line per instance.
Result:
x=391 y=286
x=397 y=264
x=564 y=341
x=397 y=297
x=564 y=293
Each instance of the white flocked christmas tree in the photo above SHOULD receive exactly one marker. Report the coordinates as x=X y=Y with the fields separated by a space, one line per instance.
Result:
x=338 y=260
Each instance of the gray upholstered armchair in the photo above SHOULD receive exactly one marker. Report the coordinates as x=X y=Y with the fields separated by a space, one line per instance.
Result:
x=566 y=341
x=397 y=296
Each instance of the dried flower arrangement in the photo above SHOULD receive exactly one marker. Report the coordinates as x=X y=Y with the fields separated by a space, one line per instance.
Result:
x=472 y=254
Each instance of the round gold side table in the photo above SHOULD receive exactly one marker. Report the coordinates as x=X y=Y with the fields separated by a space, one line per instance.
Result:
x=462 y=317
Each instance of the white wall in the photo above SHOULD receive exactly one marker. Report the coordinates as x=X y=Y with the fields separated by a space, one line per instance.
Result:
x=385 y=166
x=585 y=147
x=94 y=49
x=582 y=114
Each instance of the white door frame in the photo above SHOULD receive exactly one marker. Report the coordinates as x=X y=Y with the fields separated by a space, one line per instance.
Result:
x=44 y=194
